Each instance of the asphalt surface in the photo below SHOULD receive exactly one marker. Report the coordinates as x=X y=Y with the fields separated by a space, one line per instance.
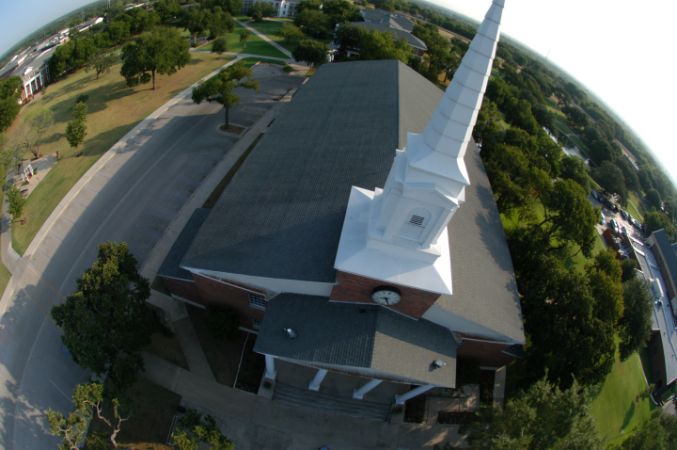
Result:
x=132 y=198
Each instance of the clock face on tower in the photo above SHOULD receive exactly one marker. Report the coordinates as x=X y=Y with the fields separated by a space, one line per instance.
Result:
x=386 y=295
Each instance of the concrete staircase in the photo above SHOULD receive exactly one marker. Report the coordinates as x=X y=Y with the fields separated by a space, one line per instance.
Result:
x=294 y=396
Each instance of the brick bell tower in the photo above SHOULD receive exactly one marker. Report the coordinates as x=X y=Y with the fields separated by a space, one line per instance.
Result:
x=394 y=247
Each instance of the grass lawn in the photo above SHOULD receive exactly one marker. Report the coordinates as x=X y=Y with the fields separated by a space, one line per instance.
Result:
x=113 y=110
x=254 y=45
x=4 y=278
x=620 y=405
x=633 y=206
x=271 y=28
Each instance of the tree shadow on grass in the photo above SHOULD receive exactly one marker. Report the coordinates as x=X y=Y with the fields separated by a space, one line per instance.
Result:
x=102 y=142
x=52 y=138
x=97 y=100
x=629 y=414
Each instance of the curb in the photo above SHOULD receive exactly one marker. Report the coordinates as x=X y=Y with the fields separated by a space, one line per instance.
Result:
x=158 y=253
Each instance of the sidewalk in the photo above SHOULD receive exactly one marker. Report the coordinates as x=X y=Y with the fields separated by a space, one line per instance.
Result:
x=267 y=39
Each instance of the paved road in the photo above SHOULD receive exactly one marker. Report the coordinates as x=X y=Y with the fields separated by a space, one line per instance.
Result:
x=132 y=198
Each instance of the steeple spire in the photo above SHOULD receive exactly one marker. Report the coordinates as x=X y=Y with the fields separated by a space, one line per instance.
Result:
x=427 y=181
x=451 y=125
x=399 y=233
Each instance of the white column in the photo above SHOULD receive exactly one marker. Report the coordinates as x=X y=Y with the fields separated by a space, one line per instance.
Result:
x=400 y=399
x=358 y=394
x=315 y=383
x=271 y=373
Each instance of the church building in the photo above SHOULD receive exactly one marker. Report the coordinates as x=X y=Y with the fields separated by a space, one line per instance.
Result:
x=361 y=236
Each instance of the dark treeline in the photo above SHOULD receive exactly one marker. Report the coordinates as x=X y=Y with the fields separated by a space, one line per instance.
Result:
x=208 y=17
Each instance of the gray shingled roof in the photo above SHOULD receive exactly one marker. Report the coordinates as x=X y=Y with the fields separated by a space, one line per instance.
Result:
x=281 y=216
x=484 y=288
x=170 y=266
x=667 y=252
x=485 y=291
x=282 y=213
x=366 y=337
x=393 y=19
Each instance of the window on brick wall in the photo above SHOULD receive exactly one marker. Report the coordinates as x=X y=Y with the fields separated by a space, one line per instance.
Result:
x=257 y=301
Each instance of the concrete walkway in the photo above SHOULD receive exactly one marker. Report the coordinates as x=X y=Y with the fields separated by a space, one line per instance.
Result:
x=10 y=258
x=256 y=423
x=267 y=39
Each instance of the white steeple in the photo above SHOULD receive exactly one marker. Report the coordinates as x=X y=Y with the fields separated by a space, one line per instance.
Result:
x=407 y=219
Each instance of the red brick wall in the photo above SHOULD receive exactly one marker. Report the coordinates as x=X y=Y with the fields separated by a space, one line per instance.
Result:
x=183 y=289
x=354 y=288
x=213 y=292
x=484 y=353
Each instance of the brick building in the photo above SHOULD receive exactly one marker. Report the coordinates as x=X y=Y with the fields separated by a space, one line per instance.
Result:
x=346 y=260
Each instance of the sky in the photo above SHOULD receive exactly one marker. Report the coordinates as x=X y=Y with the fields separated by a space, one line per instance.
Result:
x=622 y=50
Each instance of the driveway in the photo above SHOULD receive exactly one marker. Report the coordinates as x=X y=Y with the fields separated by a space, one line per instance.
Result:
x=132 y=196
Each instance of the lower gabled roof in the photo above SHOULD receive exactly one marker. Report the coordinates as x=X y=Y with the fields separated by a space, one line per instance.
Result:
x=362 y=337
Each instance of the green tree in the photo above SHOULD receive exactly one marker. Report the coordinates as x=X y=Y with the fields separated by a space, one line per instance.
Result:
x=88 y=400
x=311 y=51
x=604 y=278
x=370 y=44
x=168 y=10
x=219 y=45
x=340 y=11
x=566 y=337
x=196 y=21
x=118 y=31
x=76 y=129
x=655 y=220
x=10 y=88
x=244 y=36
x=9 y=109
x=569 y=216
x=635 y=325
x=314 y=23
x=40 y=121
x=16 y=202
x=542 y=418
x=102 y=63
x=628 y=268
x=659 y=433
x=438 y=55
x=221 y=88
x=313 y=5
x=161 y=51
x=653 y=198
x=291 y=33
x=107 y=321
x=575 y=169
x=219 y=22
x=194 y=431
x=259 y=10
